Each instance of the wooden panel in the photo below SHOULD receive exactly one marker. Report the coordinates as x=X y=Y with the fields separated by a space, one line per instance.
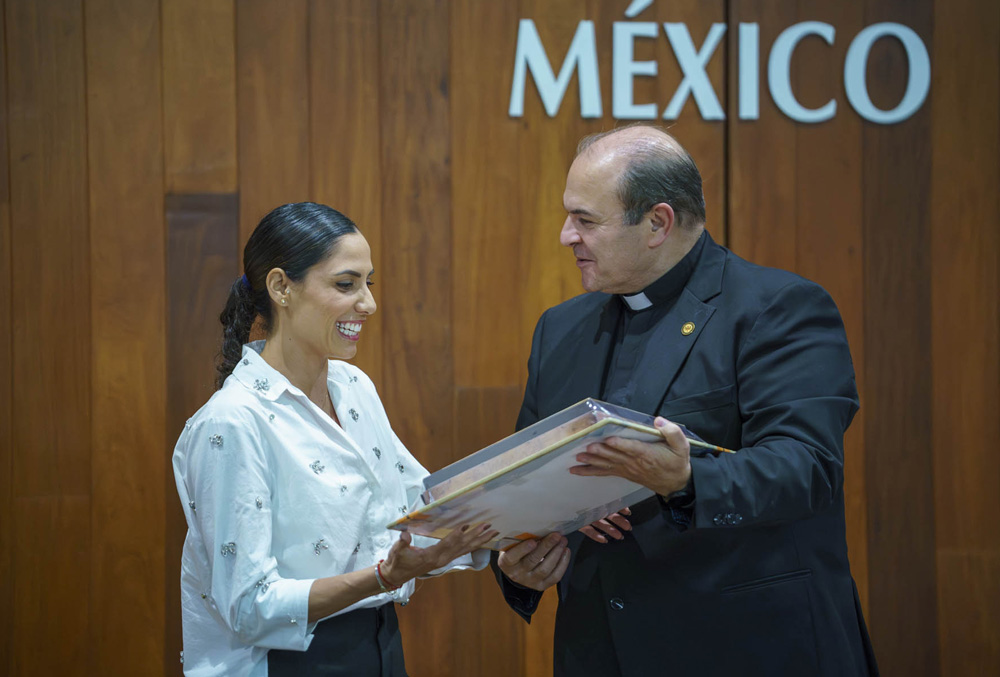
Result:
x=902 y=601
x=969 y=587
x=50 y=278
x=415 y=157
x=51 y=551
x=763 y=181
x=547 y=146
x=127 y=307
x=199 y=95
x=490 y=632
x=486 y=289
x=202 y=263
x=344 y=119
x=272 y=69
x=829 y=218
x=417 y=309
x=50 y=344
x=964 y=332
x=6 y=365
x=705 y=140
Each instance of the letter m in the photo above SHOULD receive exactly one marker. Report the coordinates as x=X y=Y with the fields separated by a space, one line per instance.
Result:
x=582 y=57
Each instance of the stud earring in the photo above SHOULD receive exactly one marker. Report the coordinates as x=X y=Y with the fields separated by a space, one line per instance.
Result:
x=284 y=301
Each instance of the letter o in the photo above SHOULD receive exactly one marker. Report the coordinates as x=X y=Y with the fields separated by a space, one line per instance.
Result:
x=856 y=63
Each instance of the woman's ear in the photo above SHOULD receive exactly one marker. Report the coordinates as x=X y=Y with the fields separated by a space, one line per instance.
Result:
x=278 y=286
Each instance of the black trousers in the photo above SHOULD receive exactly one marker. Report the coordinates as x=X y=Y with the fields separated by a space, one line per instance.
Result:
x=362 y=643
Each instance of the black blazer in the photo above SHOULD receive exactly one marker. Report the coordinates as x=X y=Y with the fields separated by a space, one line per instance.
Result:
x=758 y=583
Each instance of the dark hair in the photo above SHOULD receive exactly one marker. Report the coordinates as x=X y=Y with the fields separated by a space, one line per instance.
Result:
x=293 y=237
x=655 y=173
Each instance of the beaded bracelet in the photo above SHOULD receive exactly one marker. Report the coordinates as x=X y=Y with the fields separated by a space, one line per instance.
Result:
x=383 y=582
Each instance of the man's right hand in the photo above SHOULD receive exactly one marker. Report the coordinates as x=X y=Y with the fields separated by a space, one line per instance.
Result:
x=536 y=564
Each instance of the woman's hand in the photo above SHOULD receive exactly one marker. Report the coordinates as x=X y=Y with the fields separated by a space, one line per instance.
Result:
x=613 y=525
x=406 y=561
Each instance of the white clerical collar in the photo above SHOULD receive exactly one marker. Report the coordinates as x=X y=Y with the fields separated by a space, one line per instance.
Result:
x=637 y=302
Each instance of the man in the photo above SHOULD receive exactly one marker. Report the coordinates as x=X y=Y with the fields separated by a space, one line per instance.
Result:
x=739 y=565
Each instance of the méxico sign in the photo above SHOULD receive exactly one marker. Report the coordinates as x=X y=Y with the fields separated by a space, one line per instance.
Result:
x=582 y=60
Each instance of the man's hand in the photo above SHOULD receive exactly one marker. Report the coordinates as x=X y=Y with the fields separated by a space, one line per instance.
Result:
x=664 y=467
x=536 y=564
x=613 y=525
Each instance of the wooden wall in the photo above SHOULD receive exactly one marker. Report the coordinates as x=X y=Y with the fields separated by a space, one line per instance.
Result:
x=141 y=140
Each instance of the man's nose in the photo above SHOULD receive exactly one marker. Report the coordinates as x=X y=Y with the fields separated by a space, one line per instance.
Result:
x=569 y=235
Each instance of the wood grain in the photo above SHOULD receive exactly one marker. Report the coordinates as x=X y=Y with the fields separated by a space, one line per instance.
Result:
x=705 y=140
x=763 y=181
x=202 y=263
x=272 y=71
x=51 y=597
x=6 y=382
x=127 y=310
x=547 y=146
x=829 y=227
x=199 y=96
x=486 y=225
x=965 y=241
x=345 y=136
x=50 y=343
x=968 y=590
x=897 y=229
x=417 y=309
x=50 y=271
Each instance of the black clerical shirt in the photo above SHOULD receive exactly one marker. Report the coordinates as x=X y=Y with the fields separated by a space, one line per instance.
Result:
x=635 y=326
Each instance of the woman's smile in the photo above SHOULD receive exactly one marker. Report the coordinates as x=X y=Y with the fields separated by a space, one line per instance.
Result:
x=350 y=330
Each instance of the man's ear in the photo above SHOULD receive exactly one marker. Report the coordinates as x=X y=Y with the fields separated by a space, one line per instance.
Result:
x=661 y=220
x=278 y=286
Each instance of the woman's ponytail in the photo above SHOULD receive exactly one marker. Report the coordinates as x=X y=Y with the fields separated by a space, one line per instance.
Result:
x=237 y=320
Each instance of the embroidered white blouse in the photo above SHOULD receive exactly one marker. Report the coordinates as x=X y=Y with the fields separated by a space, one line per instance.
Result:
x=276 y=494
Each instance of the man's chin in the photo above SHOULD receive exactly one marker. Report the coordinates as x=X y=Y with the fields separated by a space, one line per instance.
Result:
x=590 y=281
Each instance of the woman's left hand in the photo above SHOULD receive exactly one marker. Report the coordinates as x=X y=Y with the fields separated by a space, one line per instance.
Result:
x=406 y=561
x=611 y=526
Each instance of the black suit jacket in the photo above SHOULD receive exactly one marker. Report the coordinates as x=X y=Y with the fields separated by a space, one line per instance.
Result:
x=758 y=583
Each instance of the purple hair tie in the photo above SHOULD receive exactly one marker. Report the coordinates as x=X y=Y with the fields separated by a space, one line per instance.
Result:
x=245 y=281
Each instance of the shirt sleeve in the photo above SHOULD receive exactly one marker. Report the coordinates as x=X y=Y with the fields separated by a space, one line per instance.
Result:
x=229 y=483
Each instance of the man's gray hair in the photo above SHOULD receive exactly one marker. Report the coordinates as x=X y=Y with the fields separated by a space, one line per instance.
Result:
x=655 y=173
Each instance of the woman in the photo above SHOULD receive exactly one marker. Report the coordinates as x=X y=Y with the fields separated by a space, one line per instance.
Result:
x=290 y=472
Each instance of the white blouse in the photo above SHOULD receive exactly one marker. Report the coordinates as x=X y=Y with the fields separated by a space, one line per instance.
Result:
x=276 y=495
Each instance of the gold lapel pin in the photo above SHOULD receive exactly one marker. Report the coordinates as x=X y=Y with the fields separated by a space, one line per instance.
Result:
x=688 y=328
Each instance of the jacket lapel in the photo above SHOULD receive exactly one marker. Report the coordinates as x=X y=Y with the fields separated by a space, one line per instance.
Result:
x=676 y=334
x=667 y=349
x=581 y=357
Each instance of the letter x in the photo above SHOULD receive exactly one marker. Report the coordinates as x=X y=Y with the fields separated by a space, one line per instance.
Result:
x=693 y=63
